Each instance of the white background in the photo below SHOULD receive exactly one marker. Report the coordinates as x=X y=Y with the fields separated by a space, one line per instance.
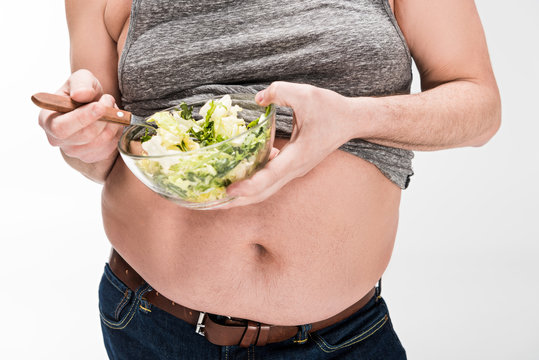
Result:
x=463 y=282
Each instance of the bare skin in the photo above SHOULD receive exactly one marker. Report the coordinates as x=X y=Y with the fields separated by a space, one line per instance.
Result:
x=313 y=231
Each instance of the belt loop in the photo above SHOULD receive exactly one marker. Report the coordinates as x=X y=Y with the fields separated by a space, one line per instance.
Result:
x=143 y=290
x=263 y=335
x=303 y=334
x=250 y=336
x=144 y=305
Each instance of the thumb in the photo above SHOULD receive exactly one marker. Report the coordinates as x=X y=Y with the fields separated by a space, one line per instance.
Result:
x=84 y=87
x=279 y=93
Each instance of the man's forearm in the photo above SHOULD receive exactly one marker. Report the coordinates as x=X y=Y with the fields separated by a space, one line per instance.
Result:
x=455 y=114
x=97 y=171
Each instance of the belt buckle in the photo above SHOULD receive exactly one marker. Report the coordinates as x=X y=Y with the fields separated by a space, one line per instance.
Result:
x=200 y=324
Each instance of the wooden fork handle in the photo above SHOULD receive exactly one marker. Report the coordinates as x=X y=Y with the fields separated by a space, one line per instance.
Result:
x=64 y=104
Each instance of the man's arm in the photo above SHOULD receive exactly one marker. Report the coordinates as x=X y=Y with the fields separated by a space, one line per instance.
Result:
x=460 y=103
x=87 y=145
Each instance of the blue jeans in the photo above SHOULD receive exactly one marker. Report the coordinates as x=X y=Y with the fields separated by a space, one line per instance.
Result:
x=134 y=329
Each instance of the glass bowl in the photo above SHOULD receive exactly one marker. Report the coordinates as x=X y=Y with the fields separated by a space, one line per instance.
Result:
x=198 y=179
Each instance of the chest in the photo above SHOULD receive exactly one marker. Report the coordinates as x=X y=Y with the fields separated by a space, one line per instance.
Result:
x=350 y=46
x=117 y=19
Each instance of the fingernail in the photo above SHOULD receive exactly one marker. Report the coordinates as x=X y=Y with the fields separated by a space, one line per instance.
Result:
x=259 y=96
x=108 y=99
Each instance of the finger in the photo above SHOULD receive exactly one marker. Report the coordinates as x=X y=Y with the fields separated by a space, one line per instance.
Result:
x=281 y=93
x=64 y=126
x=90 y=132
x=99 y=148
x=46 y=116
x=274 y=152
x=266 y=182
x=81 y=137
x=84 y=87
x=274 y=175
x=254 y=199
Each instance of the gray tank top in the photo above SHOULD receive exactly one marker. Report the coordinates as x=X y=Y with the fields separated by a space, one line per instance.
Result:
x=177 y=49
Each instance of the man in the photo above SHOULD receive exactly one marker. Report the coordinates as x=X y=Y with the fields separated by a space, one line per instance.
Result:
x=296 y=257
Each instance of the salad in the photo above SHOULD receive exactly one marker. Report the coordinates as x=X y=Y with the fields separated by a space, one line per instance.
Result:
x=192 y=159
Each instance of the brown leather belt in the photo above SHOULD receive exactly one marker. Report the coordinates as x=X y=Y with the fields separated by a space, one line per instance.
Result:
x=234 y=331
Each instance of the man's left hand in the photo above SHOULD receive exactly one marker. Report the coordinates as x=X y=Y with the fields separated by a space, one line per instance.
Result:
x=317 y=131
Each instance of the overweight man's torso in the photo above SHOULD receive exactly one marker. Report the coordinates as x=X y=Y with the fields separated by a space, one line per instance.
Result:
x=303 y=255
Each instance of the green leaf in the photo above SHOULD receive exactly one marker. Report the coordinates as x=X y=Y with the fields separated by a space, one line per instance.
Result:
x=146 y=136
x=187 y=112
x=211 y=110
x=182 y=146
x=253 y=123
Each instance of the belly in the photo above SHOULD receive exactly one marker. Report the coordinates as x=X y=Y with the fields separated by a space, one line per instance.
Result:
x=303 y=255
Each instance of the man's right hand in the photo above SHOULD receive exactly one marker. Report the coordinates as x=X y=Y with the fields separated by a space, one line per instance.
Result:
x=78 y=133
